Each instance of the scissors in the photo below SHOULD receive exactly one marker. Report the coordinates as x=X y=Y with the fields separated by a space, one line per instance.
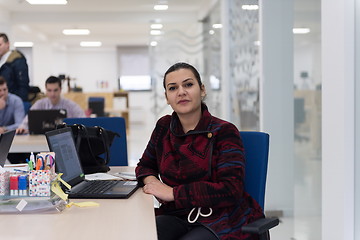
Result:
x=49 y=161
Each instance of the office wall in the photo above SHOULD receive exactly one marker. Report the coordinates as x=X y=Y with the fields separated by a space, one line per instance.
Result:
x=4 y=19
x=338 y=125
x=93 y=69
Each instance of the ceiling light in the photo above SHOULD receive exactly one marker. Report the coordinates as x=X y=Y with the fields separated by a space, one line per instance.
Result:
x=153 y=43
x=156 y=26
x=211 y=32
x=23 y=44
x=250 y=7
x=90 y=44
x=301 y=30
x=217 y=25
x=155 y=32
x=161 y=7
x=76 y=31
x=47 y=2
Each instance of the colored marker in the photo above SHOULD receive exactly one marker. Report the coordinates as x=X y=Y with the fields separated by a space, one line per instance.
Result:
x=32 y=159
x=22 y=185
x=14 y=185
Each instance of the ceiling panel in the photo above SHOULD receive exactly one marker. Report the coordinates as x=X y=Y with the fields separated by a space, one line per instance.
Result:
x=116 y=22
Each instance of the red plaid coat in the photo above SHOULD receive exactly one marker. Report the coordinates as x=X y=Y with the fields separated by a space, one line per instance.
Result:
x=205 y=167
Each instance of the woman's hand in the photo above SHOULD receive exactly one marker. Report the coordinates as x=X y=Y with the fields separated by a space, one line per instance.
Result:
x=160 y=190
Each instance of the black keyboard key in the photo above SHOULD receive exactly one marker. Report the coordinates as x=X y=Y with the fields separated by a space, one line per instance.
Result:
x=98 y=186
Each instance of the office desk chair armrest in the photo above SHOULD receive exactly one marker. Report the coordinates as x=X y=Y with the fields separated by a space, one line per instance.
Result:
x=261 y=225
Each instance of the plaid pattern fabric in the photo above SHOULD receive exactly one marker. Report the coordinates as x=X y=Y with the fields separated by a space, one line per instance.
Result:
x=206 y=169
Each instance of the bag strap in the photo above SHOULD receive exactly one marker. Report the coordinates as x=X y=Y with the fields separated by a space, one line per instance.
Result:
x=84 y=133
x=81 y=131
x=105 y=141
x=78 y=137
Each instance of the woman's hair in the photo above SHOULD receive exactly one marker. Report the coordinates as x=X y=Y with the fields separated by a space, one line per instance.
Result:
x=182 y=65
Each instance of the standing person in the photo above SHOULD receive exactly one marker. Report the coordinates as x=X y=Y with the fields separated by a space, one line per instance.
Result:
x=11 y=108
x=14 y=69
x=53 y=100
x=194 y=165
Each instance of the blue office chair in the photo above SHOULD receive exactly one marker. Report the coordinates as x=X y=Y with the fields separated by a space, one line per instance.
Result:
x=118 y=149
x=27 y=106
x=256 y=145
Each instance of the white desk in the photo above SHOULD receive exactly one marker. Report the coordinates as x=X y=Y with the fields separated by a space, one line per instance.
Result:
x=29 y=143
x=116 y=219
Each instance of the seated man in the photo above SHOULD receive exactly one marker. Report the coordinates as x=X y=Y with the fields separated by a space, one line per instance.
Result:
x=53 y=100
x=11 y=108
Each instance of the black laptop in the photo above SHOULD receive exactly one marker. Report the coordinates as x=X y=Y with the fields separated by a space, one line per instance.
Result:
x=41 y=121
x=5 y=144
x=67 y=162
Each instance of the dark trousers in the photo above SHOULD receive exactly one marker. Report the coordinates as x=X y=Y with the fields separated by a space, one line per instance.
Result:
x=174 y=228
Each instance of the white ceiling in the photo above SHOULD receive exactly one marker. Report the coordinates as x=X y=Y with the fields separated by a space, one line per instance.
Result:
x=116 y=22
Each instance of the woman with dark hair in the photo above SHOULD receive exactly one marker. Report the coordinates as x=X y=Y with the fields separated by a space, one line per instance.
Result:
x=194 y=165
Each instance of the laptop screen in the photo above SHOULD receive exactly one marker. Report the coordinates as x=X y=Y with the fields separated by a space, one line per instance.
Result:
x=41 y=121
x=67 y=161
x=5 y=144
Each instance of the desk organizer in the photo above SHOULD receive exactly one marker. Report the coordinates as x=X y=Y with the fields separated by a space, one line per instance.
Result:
x=32 y=205
x=4 y=183
x=32 y=191
x=39 y=197
x=39 y=183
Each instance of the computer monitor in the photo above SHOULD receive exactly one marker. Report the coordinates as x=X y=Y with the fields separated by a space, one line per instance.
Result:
x=97 y=106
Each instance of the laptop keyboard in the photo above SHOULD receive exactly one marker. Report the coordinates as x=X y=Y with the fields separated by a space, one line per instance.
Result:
x=93 y=187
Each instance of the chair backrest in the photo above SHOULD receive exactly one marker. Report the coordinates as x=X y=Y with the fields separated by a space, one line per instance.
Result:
x=27 y=106
x=256 y=146
x=118 y=149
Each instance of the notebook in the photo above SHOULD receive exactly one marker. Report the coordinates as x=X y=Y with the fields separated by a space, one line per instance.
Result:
x=5 y=144
x=41 y=121
x=67 y=162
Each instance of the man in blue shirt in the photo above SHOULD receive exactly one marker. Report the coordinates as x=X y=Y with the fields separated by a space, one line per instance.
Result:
x=11 y=108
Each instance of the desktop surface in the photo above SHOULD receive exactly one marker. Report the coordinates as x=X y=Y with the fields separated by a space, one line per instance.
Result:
x=29 y=143
x=131 y=218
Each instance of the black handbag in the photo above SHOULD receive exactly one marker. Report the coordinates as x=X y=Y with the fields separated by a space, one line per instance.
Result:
x=93 y=146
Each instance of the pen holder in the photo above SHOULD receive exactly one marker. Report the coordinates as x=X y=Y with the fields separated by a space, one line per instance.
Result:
x=45 y=161
x=39 y=183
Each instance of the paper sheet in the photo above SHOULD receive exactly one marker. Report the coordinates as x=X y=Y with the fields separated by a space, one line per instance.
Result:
x=127 y=175
x=16 y=167
x=101 y=176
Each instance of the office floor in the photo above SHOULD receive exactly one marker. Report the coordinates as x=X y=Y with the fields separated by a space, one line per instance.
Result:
x=306 y=222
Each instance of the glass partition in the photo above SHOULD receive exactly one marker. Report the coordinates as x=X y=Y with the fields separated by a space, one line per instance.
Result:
x=307 y=119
